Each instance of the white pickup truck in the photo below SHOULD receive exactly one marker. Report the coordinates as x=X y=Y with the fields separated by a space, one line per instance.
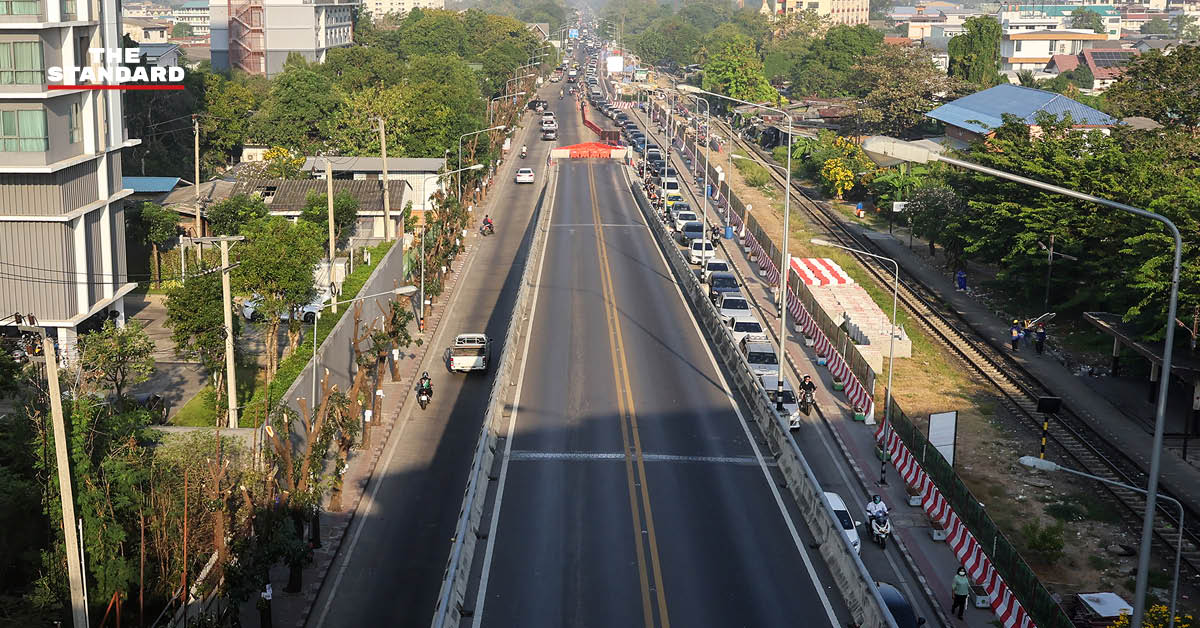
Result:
x=470 y=353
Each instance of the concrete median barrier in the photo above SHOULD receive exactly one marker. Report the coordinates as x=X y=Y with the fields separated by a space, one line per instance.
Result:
x=852 y=579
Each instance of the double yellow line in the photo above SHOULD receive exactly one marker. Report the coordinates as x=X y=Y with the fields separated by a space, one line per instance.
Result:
x=635 y=469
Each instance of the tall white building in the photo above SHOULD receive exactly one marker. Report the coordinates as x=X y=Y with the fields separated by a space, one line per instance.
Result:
x=196 y=14
x=379 y=8
x=256 y=36
x=62 y=224
x=848 y=12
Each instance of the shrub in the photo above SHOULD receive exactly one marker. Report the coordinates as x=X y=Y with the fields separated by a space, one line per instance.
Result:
x=1046 y=543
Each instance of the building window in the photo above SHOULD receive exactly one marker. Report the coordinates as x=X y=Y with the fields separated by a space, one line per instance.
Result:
x=20 y=7
x=21 y=63
x=68 y=9
x=1018 y=45
x=23 y=131
x=75 y=123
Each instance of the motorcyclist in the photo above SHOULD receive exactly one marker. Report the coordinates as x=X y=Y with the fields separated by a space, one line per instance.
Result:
x=524 y=151
x=487 y=224
x=876 y=507
x=560 y=94
x=425 y=384
x=808 y=385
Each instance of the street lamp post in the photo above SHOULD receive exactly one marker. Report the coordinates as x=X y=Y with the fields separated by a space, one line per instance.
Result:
x=1041 y=464
x=514 y=94
x=458 y=174
x=889 y=151
x=784 y=260
x=704 y=190
x=887 y=410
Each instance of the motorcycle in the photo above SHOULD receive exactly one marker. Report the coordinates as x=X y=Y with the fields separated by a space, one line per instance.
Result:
x=487 y=229
x=423 y=397
x=881 y=529
x=523 y=153
x=807 y=402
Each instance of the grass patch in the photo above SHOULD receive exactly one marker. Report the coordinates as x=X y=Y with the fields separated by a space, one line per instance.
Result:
x=1083 y=507
x=1099 y=562
x=201 y=410
x=290 y=368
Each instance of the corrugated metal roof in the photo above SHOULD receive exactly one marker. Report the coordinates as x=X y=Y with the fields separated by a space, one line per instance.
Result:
x=150 y=185
x=981 y=112
x=289 y=195
x=375 y=164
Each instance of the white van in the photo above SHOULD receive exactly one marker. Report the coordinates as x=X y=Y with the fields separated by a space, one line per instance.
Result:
x=470 y=353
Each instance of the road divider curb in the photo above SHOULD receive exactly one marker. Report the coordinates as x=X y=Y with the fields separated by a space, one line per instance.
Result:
x=851 y=577
x=451 y=602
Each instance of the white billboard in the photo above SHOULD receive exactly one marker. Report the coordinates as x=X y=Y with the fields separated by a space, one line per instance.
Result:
x=614 y=64
x=943 y=433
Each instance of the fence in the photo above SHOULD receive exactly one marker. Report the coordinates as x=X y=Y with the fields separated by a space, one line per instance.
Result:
x=987 y=554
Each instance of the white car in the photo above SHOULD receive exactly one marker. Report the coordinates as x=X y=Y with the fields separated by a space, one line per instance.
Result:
x=308 y=313
x=700 y=250
x=742 y=326
x=548 y=124
x=760 y=356
x=791 y=406
x=524 y=175
x=713 y=266
x=733 y=305
x=848 y=524
x=683 y=217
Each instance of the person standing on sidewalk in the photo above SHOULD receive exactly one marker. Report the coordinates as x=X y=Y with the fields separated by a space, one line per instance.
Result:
x=1015 y=332
x=1039 y=338
x=960 y=587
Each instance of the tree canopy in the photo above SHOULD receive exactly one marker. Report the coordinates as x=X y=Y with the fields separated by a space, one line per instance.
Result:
x=737 y=72
x=898 y=86
x=975 y=55
x=1088 y=19
x=1162 y=88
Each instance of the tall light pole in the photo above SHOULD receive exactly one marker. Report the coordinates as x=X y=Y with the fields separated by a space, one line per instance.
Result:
x=887 y=409
x=512 y=95
x=704 y=190
x=890 y=151
x=428 y=177
x=458 y=174
x=784 y=260
x=1041 y=464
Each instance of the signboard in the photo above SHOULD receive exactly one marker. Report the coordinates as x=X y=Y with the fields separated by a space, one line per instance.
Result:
x=641 y=75
x=614 y=64
x=943 y=432
x=573 y=33
x=898 y=207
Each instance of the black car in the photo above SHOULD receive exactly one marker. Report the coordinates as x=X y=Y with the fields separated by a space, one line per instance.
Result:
x=719 y=283
x=535 y=103
x=902 y=611
x=654 y=165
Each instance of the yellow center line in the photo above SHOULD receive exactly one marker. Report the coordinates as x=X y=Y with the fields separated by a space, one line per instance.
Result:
x=628 y=424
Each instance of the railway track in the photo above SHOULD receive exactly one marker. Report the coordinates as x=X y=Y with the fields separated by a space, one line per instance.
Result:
x=1084 y=447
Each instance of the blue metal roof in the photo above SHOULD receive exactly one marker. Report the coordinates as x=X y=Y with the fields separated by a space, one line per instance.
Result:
x=150 y=185
x=981 y=112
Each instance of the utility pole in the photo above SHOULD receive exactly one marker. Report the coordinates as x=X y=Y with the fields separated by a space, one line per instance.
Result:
x=65 y=490
x=389 y=231
x=196 y=179
x=227 y=303
x=329 y=198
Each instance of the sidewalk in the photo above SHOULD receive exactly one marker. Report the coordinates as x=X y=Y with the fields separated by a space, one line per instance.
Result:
x=292 y=609
x=932 y=563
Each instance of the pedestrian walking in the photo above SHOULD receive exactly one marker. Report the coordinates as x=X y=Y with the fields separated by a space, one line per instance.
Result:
x=1039 y=338
x=960 y=280
x=1015 y=333
x=959 y=588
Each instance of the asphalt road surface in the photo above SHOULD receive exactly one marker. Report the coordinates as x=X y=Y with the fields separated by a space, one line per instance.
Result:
x=389 y=569
x=631 y=491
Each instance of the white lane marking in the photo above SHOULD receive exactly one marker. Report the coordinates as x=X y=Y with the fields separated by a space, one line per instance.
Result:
x=527 y=455
x=787 y=517
x=396 y=437
x=481 y=595
x=637 y=226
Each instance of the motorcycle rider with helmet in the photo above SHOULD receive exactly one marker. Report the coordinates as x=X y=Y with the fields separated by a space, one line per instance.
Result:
x=425 y=384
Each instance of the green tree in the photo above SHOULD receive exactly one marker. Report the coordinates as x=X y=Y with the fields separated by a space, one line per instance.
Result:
x=431 y=32
x=1162 y=88
x=1087 y=19
x=276 y=264
x=898 y=85
x=1025 y=78
x=117 y=357
x=9 y=371
x=936 y=214
x=359 y=67
x=825 y=70
x=345 y=213
x=975 y=55
x=230 y=215
x=1186 y=26
x=196 y=316
x=159 y=225
x=181 y=29
x=296 y=113
x=1156 y=26
x=783 y=56
x=225 y=123
x=736 y=72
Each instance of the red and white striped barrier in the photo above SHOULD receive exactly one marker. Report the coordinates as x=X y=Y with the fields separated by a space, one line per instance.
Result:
x=966 y=548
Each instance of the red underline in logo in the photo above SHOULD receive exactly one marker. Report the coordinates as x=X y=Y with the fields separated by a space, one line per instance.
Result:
x=119 y=87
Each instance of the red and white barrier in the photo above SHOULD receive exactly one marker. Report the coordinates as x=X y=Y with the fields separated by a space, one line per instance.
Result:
x=966 y=548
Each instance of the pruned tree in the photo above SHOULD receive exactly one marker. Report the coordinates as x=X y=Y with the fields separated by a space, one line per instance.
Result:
x=117 y=357
x=159 y=225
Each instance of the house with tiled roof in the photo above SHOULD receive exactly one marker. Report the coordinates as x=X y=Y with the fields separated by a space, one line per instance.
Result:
x=1105 y=64
x=978 y=116
x=1032 y=50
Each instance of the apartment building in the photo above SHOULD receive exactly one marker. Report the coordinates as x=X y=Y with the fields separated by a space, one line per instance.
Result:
x=849 y=12
x=62 y=223
x=1032 y=50
x=145 y=9
x=379 y=8
x=145 y=30
x=1034 y=17
x=256 y=36
x=194 y=13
